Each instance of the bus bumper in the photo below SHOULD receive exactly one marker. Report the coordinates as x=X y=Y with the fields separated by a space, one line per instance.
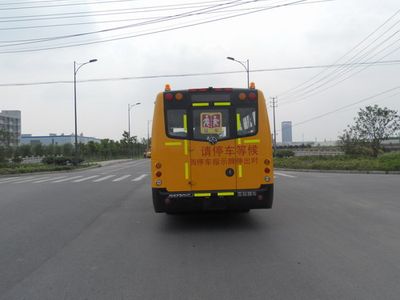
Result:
x=241 y=200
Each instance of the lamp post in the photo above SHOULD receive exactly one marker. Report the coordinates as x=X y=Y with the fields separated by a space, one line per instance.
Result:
x=77 y=66
x=130 y=106
x=245 y=64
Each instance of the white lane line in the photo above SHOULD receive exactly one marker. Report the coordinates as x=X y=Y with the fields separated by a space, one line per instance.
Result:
x=121 y=178
x=103 y=178
x=285 y=175
x=66 y=179
x=140 y=177
x=30 y=180
x=86 y=178
x=49 y=179
x=11 y=179
x=127 y=167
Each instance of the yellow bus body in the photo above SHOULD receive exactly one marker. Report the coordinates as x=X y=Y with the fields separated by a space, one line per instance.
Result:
x=195 y=171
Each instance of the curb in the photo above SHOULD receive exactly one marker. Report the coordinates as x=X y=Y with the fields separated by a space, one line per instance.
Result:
x=341 y=171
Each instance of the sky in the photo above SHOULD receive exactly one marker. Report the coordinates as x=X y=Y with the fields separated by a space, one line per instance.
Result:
x=322 y=60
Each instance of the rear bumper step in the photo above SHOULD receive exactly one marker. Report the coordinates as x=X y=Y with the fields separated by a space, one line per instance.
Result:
x=165 y=201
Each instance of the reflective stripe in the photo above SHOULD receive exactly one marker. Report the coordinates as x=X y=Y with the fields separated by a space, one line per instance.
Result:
x=172 y=143
x=200 y=104
x=239 y=141
x=186 y=170
x=186 y=150
x=202 y=194
x=222 y=104
x=240 y=171
x=185 y=122
x=251 y=141
x=226 y=194
x=238 y=125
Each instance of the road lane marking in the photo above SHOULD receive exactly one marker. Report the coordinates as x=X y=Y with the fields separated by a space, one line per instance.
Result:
x=66 y=179
x=121 y=178
x=103 y=178
x=140 y=177
x=11 y=179
x=49 y=179
x=285 y=175
x=85 y=178
x=30 y=180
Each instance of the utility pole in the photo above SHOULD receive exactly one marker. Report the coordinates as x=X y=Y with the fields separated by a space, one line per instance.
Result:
x=274 y=105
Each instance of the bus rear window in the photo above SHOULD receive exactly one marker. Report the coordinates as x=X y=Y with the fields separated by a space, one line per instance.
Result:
x=177 y=122
x=211 y=122
x=246 y=120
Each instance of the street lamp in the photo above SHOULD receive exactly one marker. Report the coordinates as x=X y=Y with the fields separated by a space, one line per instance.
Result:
x=77 y=66
x=245 y=64
x=130 y=106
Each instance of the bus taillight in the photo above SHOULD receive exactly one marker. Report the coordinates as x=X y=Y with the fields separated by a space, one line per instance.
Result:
x=252 y=96
x=169 y=97
x=179 y=96
x=267 y=170
x=158 y=173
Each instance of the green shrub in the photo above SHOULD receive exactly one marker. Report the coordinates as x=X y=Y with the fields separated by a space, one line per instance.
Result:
x=284 y=153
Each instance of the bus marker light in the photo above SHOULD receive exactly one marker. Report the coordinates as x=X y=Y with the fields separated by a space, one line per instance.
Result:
x=158 y=182
x=242 y=96
x=252 y=85
x=179 y=96
x=267 y=178
x=158 y=165
x=169 y=97
x=158 y=173
x=267 y=170
x=167 y=87
x=252 y=96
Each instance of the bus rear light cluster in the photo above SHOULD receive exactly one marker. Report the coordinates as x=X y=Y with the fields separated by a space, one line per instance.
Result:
x=169 y=96
x=243 y=96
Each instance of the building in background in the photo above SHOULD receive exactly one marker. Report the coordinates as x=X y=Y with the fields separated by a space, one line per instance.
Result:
x=10 y=125
x=287 y=132
x=55 y=139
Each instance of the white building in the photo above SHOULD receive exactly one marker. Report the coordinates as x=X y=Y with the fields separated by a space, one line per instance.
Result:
x=10 y=124
x=287 y=132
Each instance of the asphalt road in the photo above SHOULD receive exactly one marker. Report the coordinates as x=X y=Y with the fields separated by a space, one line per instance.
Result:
x=93 y=235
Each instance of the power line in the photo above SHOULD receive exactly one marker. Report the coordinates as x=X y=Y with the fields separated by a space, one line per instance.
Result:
x=299 y=87
x=348 y=105
x=157 y=31
x=382 y=63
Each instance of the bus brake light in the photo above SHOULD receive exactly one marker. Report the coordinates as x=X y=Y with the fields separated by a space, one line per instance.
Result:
x=169 y=97
x=252 y=96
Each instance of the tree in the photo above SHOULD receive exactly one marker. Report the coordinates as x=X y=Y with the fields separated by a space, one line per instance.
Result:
x=372 y=126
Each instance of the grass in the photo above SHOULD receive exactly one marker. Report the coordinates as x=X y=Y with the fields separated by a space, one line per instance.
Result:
x=385 y=162
x=33 y=168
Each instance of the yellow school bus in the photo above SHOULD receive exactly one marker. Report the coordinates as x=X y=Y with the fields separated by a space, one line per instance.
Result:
x=211 y=150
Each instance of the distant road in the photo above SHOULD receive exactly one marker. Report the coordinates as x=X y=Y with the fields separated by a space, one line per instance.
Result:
x=93 y=235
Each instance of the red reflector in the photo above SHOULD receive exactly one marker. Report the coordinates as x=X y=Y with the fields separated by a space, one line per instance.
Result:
x=267 y=170
x=252 y=96
x=158 y=165
x=169 y=97
x=158 y=174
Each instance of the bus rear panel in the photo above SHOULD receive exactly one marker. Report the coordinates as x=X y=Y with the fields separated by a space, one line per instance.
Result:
x=211 y=150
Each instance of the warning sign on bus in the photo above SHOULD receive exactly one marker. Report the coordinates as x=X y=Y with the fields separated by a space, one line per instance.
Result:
x=211 y=123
